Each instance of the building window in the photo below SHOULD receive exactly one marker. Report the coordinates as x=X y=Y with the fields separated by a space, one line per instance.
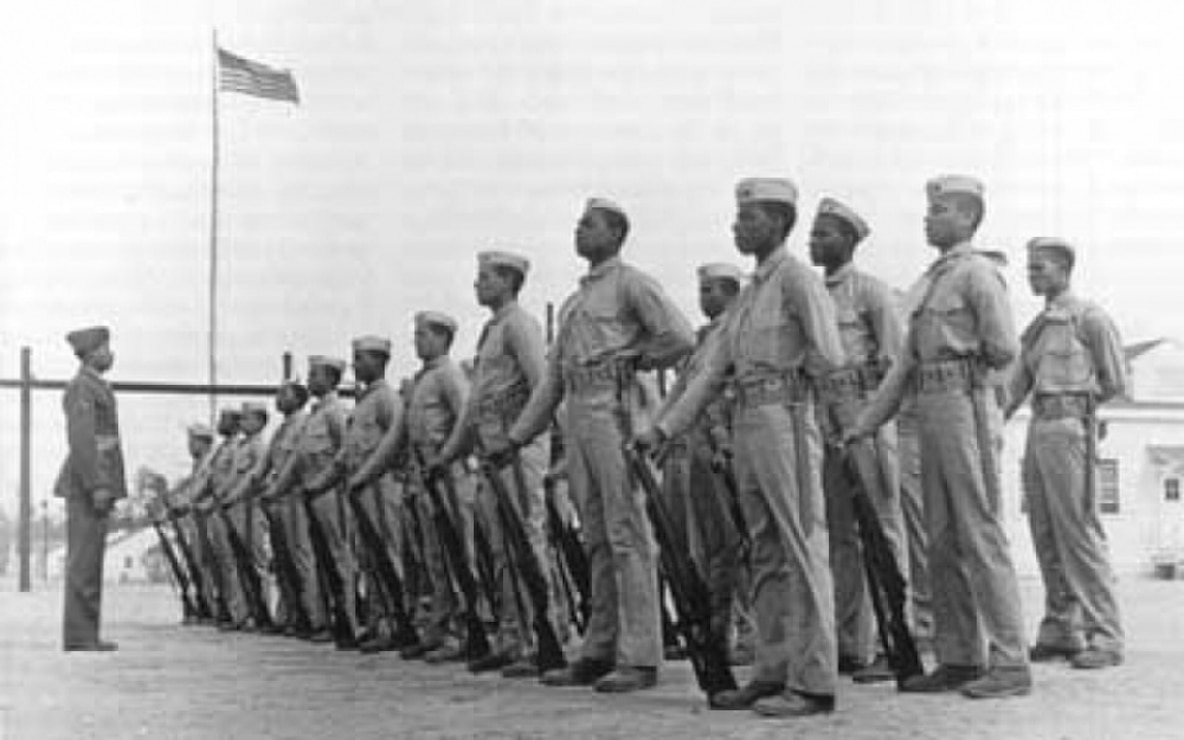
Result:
x=1171 y=489
x=1107 y=486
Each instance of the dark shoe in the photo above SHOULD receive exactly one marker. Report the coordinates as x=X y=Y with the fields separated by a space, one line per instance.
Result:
x=627 y=678
x=521 y=668
x=1095 y=658
x=346 y=644
x=445 y=654
x=321 y=636
x=101 y=646
x=746 y=696
x=272 y=629
x=376 y=645
x=1000 y=683
x=794 y=704
x=943 y=678
x=491 y=662
x=849 y=665
x=583 y=672
x=417 y=651
x=875 y=672
x=1041 y=653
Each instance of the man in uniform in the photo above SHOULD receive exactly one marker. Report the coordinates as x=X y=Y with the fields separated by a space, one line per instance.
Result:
x=509 y=365
x=781 y=339
x=240 y=504
x=871 y=337
x=376 y=412
x=291 y=398
x=1071 y=361
x=200 y=443
x=209 y=494
x=961 y=331
x=694 y=488
x=618 y=322
x=91 y=480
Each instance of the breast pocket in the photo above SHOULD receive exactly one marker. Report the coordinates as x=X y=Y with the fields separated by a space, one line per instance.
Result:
x=946 y=316
x=1063 y=363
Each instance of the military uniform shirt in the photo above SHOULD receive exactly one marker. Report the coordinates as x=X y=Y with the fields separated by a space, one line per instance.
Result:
x=321 y=441
x=864 y=306
x=375 y=412
x=437 y=401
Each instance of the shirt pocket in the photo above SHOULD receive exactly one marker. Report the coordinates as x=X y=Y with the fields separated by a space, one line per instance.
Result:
x=945 y=318
x=1062 y=362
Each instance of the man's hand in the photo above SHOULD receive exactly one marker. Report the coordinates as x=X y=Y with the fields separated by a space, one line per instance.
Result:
x=651 y=440
x=436 y=464
x=501 y=453
x=355 y=483
x=103 y=499
x=855 y=434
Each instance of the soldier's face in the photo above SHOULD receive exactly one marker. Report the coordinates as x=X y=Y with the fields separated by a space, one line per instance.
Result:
x=227 y=424
x=102 y=358
x=428 y=344
x=319 y=382
x=252 y=423
x=755 y=230
x=713 y=297
x=945 y=223
x=830 y=246
x=285 y=400
x=198 y=446
x=368 y=366
x=594 y=237
x=490 y=286
x=1045 y=274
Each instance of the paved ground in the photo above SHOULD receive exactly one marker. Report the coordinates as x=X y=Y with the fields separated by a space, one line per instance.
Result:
x=173 y=682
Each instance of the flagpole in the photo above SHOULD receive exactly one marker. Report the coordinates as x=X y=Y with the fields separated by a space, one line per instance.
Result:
x=213 y=326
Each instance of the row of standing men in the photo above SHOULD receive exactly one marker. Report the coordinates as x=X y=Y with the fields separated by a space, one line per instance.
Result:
x=793 y=376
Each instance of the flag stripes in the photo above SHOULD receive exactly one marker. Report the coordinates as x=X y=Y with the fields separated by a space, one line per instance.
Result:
x=252 y=78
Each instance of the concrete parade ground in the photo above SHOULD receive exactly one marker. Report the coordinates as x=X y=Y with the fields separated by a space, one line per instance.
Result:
x=169 y=681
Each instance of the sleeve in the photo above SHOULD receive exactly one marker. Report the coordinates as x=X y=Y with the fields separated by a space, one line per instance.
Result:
x=808 y=300
x=79 y=404
x=669 y=335
x=543 y=400
x=886 y=402
x=677 y=417
x=1019 y=380
x=525 y=341
x=987 y=295
x=885 y=322
x=1105 y=345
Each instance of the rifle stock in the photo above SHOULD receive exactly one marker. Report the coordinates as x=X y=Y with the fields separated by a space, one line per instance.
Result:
x=204 y=609
x=343 y=633
x=388 y=574
x=188 y=607
x=247 y=575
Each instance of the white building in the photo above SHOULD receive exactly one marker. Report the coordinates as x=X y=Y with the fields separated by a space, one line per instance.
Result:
x=131 y=557
x=1140 y=468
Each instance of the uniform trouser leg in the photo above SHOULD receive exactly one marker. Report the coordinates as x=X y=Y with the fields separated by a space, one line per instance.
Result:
x=793 y=596
x=377 y=502
x=328 y=513
x=285 y=614
x=912 y=509
x=622 y=555
x=86 y=542
x=258 y=552
x=304 y=558
x=189 y=528
x=976 y=592
x=236 y=603
x=1069 y=540
x=714 y=533
x=443 y=603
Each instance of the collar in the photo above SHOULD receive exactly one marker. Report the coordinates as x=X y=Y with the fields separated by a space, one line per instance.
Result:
x=841 y=275
x=955 y=253
x=369 y=387
x=89 y=372
x=500 y=314
x=328 y=399
x=433 y=363
x=604 y=268
x=1062 y=304
x=771 y=263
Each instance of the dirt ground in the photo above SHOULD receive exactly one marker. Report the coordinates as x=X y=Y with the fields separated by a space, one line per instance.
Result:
x=169 y=681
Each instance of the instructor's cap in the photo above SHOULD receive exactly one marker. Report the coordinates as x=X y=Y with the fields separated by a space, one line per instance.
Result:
x=88 y=339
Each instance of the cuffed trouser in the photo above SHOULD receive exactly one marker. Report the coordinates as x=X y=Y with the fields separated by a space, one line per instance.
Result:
x=624 y=625
x=777 y=471
x=445 y=603
x=855 y=623
x=912 y=509
x=295 y=517
x=232 y=589
x=1080 y=605
x=976 y=597
x=256 y=541
x=86 y=543
x=327 y=508
x=700 y=511
x=381 y=501
x=189 y=527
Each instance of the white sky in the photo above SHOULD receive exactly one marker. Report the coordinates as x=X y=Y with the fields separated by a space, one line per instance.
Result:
x=431 y=130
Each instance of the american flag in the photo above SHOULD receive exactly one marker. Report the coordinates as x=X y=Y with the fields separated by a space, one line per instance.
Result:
x=252 y=78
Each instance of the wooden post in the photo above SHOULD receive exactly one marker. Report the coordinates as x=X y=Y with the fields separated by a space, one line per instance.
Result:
x=25 y=523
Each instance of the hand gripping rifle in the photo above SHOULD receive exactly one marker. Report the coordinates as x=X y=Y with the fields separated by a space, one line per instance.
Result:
x=706 y=650
x=885 y=582
x=572 y=562
x=388 y=574
x=196 y=578
x=530 y=570
x=476 y=642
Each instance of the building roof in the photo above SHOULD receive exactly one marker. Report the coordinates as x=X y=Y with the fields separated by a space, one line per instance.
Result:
x=1166 y=455
x=1138 y=349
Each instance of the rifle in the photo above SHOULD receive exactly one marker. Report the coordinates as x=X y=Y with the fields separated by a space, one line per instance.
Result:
x=476 y=643
x=388 y=575
x=285 y=566
x=204 y=611
x=343 y=633
x=1091 y=450
x=189 y=609
x=573 y=563
x=727 y=478
x=247 y=575
x=706 y=650
x=886 y=584
x=530 y=570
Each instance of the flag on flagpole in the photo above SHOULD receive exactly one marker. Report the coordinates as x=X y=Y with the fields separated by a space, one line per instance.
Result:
x=252 y=78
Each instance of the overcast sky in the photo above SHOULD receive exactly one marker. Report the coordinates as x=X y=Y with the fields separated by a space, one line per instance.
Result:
x=428 y=131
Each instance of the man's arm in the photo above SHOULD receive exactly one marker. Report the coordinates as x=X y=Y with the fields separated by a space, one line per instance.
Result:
x=80 y=436
x=1105 y=345
x=669 y=336
x=987 y=295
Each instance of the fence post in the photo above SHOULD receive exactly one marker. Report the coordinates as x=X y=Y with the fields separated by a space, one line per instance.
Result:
x=26 y=506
